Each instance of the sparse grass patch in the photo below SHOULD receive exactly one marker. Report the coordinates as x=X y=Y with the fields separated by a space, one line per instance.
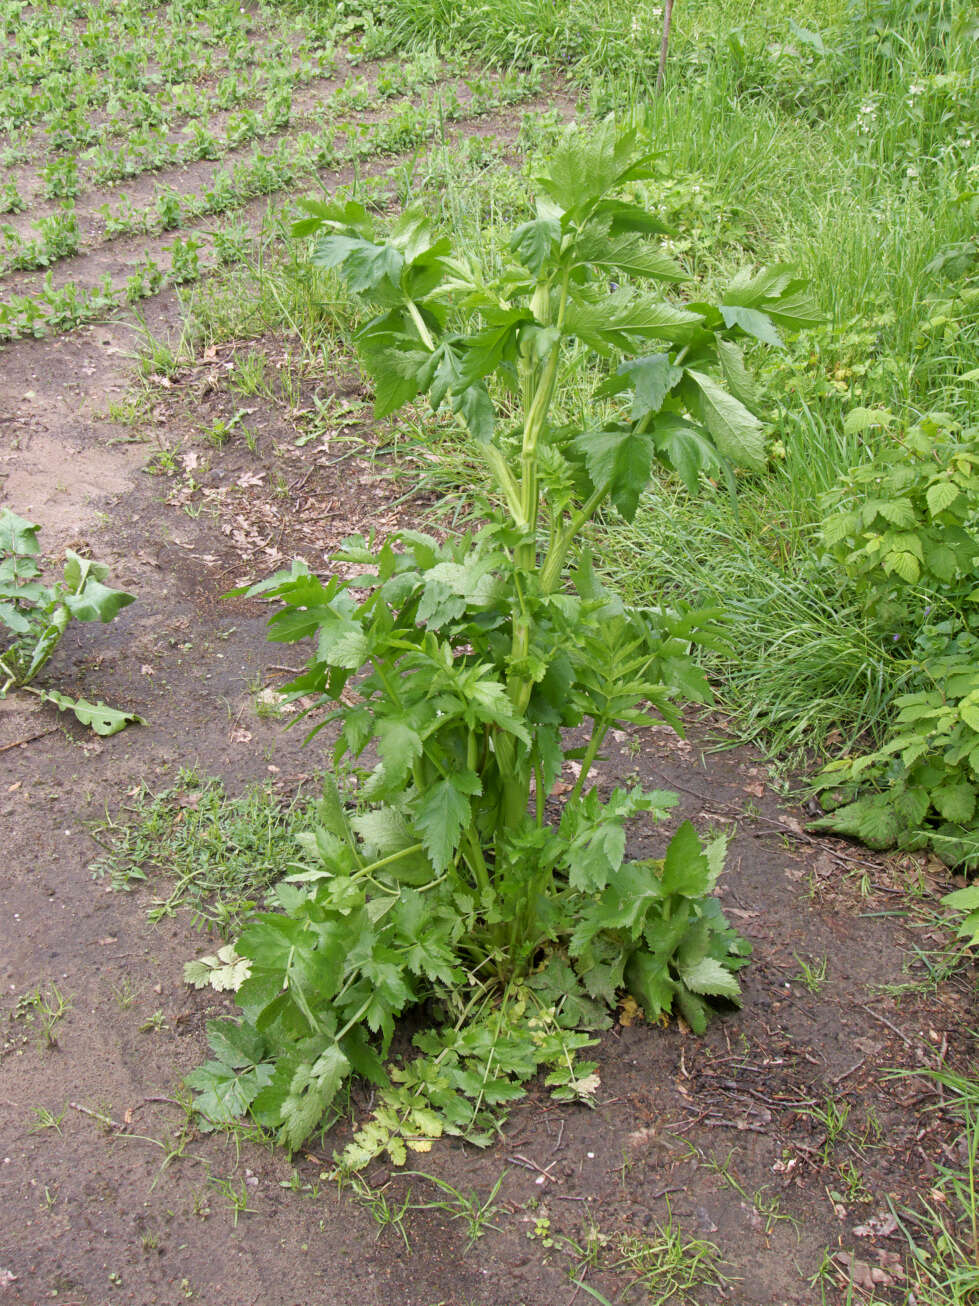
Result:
x=218 y=854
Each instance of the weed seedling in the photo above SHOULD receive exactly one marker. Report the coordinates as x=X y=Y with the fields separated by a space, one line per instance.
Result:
x=477 y=1215
x=237 y=1197
x=45 y=1119
x=811 y=973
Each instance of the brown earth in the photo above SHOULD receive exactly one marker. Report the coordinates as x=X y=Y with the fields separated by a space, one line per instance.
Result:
x=112 y=1197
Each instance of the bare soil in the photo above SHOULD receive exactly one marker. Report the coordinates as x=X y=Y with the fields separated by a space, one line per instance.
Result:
x=104 y=1199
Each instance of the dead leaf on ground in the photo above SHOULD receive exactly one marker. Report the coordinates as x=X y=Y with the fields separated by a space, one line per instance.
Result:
x=878 y=1226
x=629 y=1011
x=867 y=1277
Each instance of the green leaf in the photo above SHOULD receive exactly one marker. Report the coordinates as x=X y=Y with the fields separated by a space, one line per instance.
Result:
x=103 y=720
x=299 y=1095
x=648 y=980
x=96 y=602
x=752 y=322
x=18 y=535
x=224 y=1094
x=903 y=564
x=398 y=746
x=532 y=242
x=236 y=1044
x=955 y=802
x=612 y=322
x=941 y=495
x=652 y=378
x=14 y=620
x=711 y=977
x=440 y=814
x=629 y=254
x=686 y=869
x=620 y=458
x=739 y=380
x=736 y=431
x=476 y=409
x=859 y=420
x=362 y=264
x=587 y=163
x=872 y=819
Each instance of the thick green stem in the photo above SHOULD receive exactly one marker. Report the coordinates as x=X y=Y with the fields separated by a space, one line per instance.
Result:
x=599 y=731
x=476 y=861
x=420 y=326
x=561 y=540
x=539 y=794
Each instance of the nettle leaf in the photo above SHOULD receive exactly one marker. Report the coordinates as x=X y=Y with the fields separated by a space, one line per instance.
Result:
x=736 y=431
x=713 y=978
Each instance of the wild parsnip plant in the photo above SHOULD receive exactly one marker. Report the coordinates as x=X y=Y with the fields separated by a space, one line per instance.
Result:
x=463 y=665
x=34 y=617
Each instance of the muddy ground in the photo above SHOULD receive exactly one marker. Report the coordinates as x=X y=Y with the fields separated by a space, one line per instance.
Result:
x=778 y=1138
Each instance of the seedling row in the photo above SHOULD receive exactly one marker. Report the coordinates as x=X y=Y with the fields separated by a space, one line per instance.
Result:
x=54 y=308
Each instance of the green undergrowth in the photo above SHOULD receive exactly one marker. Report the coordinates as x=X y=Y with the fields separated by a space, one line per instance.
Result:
x=942 y=1229
x=194 y=847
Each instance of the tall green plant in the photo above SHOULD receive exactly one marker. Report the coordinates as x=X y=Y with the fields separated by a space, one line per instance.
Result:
x=462 y=666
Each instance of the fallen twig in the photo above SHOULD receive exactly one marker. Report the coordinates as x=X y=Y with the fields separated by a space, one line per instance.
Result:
x=847 y=1073
x=889 y=1023
x=19 y=743
x=519 y=1159
x=100 y=1116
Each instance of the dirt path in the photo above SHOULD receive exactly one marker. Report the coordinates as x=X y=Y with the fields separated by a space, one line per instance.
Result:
x=776 y=1137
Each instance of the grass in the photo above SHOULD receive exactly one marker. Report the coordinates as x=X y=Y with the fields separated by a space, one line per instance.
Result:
x=217 y=853
x=942 y=1234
